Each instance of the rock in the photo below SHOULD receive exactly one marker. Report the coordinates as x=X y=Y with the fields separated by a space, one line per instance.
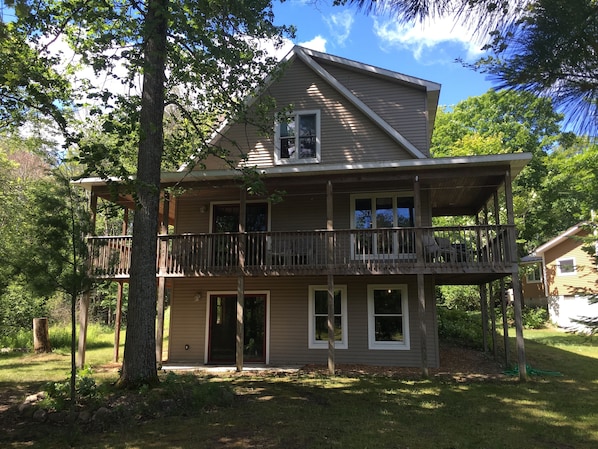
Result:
x=57 y=417
x=26 y=409
x=102 y=414
x=85 y=416
x=35 y=397
x=40 y=415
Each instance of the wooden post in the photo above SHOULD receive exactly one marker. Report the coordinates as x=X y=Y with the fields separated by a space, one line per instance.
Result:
x=93 y=209
x=162 y=257
x=421 y=291
x=484 y=310
x=505 y=322
x=492 y=319
x=41 y=336
x=83 y=318
x=118 y=319
x=330 y=263
x=515 y=281
x=423 y=329
x=241 y=282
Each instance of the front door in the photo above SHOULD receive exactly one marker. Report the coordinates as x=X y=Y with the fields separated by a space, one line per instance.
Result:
x=223 y=329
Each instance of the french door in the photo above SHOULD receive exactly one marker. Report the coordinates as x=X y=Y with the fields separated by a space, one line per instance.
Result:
x=223 y=328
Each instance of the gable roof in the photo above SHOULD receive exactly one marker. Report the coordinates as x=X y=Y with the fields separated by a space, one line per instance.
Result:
x=573 y=230
x=312 y=59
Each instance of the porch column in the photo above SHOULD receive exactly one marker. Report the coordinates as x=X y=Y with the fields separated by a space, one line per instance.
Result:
x=505 y=322
x=83 y=318
x=492 y=319
x=118 y=319
x=84 y=301
x=484 y=310
x=241 y=281
x=119 y=293
x=163 y=248
x=515 y=280
x=330 y=263
x=421 y=291
x=93 y=210
x=503 y=297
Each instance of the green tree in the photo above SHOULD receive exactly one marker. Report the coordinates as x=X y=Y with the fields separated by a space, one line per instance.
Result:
x=506 y=122
x=200 y=58
x=550 y=50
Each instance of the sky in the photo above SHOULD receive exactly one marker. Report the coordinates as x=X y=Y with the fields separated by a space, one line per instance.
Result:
x=427 y=51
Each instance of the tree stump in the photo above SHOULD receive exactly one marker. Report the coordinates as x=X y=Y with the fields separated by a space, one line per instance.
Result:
x=41 y=336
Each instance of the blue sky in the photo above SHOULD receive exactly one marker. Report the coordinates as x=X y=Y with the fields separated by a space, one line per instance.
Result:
x=426 y=51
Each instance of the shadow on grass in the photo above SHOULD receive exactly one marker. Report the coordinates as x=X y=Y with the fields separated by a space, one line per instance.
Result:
x=314 y=411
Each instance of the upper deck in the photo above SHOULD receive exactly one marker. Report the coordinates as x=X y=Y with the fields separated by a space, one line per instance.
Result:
x=471 y=251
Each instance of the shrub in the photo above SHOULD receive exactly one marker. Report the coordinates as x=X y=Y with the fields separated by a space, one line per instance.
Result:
x=532 y=317
x=461 y=327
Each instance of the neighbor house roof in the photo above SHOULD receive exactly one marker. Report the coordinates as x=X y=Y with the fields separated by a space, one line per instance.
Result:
x=573 y=230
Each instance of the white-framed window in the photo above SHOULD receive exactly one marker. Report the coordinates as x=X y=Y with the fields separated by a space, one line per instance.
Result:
x=566 y=266
x=533 y=274
x=373 y=216
x=318 y=317
x=298 y=138
x=388 y=317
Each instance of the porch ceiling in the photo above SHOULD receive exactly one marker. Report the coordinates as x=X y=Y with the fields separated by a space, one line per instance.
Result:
x=457 y=186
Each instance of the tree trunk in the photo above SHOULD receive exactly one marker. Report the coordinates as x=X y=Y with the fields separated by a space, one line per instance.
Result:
x=41 y=336
x=139 y=362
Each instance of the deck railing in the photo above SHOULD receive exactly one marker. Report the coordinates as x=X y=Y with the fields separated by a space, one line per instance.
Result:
x=387 y=250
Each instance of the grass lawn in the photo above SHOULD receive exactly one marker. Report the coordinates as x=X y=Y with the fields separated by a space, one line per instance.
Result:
x=307 y=410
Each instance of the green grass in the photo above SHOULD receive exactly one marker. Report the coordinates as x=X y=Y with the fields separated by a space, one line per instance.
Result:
x=313 y=411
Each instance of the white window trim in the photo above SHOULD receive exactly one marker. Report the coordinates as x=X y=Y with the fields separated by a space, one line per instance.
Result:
x=558 y=266
x=388 y=345
x=531 y=280
x=317 y=344
x=374 y=196
x=295 y=160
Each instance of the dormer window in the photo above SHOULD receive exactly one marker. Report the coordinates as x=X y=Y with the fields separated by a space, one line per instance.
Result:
x=298 y=138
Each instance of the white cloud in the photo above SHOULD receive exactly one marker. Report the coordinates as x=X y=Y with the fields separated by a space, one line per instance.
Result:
x=340 y=25
x=423 y=39
x=318 y=43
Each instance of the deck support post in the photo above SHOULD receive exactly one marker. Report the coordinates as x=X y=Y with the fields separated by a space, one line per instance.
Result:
x=505 y=322
x=421 y=290
x=118 y=319
x=491 y=304
x=484 y=310
x=83 y=319
x=330 y=263
x=119 y=294
x=515 y=281
x=240 y=343
x=163 y=248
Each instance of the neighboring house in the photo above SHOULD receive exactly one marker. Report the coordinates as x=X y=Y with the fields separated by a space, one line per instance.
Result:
x=355 y=224
x=562 y=275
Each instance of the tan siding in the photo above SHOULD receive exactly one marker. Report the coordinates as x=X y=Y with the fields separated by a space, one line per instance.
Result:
x=289 y=320
x=403 y=107
x=584 y=280
x=348 y=136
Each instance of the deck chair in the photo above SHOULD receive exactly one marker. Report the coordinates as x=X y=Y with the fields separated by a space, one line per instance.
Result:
x=438 y=250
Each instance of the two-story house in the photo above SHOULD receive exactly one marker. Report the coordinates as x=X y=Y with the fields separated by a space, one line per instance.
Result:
x=344 y=268
x=562 y=275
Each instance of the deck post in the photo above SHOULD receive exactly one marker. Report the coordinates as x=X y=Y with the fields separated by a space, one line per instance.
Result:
x=515 y=281
x=241 y=281
x=484 y=310
x=330 y=263
x=505 y=322
x=117 y=319
x=83 y=319
x=163 y=248
x=421 y=290
x=492 y=319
